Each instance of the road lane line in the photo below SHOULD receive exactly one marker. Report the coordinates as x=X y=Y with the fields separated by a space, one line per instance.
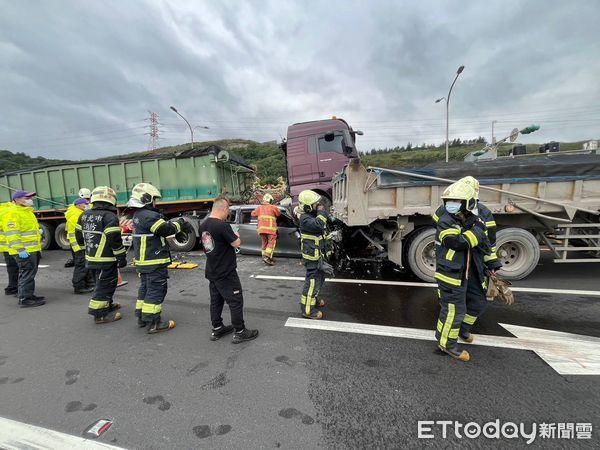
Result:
x=566 y=353
x=430 y=285
x=42 y=266
x=18 y=435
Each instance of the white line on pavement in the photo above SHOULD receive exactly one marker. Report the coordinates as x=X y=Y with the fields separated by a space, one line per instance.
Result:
x=567 y=353
x=430 y=285
x=43 y=266
x=18 y=435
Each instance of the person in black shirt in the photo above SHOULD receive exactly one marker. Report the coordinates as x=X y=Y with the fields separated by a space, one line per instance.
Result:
x=219 y=243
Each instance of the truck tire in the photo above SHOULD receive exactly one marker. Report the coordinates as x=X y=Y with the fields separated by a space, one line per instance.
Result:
x=183 y=242
x=420 y=253
x=47 y=230
x=518 y=251
x=60 y=236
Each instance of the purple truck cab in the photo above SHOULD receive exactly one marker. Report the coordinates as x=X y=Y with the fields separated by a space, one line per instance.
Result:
x=315 y=151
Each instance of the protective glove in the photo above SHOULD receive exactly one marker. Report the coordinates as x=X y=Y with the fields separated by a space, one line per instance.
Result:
x=121 y=262
x=185 y=225
x=494 y=265
x=470 y=220
x=23 y=254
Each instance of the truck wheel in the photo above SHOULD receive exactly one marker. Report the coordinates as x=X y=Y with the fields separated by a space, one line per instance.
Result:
x=420 y=254
x=47 y=235
x=183 y=242
x=518 y=251
x=60 y=236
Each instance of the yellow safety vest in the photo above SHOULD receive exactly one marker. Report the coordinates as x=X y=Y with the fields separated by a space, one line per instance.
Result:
x=72 y=215
x=4 y=207
x=21 y=230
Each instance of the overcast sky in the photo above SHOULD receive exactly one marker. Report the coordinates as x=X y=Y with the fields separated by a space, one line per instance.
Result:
x=77 y=78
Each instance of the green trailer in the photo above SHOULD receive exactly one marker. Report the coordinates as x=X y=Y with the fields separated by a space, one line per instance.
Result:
x=189 y=182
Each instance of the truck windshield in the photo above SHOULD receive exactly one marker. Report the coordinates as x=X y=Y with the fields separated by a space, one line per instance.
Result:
x=332 y=146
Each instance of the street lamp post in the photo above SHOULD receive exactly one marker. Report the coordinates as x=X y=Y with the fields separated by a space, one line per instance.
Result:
x=188 y=124
x=493 y=138
x=447 y=98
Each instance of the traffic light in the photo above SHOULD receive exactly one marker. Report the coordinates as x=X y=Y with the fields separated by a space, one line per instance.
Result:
x=529 y=129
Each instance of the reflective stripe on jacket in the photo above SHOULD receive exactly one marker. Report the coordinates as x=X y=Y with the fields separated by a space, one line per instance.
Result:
x=453 y=244
x=267 y=218
x=72 y=215
x=4 y=207
x=149 y=244
x=98 y=229
x=21 y=230
x=312 y=228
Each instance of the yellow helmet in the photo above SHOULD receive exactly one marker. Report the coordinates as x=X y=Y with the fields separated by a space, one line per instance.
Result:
x=307 y=199
x=145 y=193
x=461 y=191
x=104 y=194
x=267 y=198
x=473 y=182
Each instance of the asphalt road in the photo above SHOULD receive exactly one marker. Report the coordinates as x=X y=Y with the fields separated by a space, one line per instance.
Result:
x=290 y=388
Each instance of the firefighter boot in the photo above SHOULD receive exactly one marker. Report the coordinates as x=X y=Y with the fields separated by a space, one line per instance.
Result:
x=466 y=336
x=320 y=303
x=157 y=326
x=456 y=353
x=219 y=332
x=107 y=318
x=141 y=323
x=315 y=315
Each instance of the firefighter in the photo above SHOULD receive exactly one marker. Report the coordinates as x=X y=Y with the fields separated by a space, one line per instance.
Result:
x=23 y=240
x=313 y=220
x=84 y=193
x=461 y=242
x=11 y=264
x=152 y=255
x=99 y=231
x=82 y=277
x=266 y=228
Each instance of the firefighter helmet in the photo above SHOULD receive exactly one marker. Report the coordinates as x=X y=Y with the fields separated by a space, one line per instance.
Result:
x=473 y=182
x=145 y=193
x=267 y=198
x=307 y=199
x=104 y=194
x=84 y=193
x=461 y=191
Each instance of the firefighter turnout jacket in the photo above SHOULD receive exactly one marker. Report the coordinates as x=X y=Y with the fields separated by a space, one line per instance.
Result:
x=312 y=229
x=21 y=229
x=72 y=215
x=487 y=217
x=4 y=207
x=99 y=232
x=457 y=247
x=149 y=244
x=267 y=218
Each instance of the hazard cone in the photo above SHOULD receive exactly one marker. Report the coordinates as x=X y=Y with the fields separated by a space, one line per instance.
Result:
x=120 y=281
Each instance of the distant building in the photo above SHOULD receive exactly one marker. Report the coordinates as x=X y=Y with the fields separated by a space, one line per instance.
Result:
x=591 y=145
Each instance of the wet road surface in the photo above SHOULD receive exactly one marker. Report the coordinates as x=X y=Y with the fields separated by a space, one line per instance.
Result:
x=290 y=388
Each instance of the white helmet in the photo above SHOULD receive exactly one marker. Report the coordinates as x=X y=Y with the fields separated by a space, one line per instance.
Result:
x=85 y=193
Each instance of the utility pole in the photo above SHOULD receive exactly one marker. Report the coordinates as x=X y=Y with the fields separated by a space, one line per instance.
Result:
x=154 y=133
x=493 y=138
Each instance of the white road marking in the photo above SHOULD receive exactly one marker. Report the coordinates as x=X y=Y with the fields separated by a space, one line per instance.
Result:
x=430 y=285
x=566 y=353
x=18 y=436
x=42 y=266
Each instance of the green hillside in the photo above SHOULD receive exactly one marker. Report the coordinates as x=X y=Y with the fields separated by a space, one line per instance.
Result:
x=14 y=161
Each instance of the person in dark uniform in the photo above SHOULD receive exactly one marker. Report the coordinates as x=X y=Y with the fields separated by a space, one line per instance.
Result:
x=219 y=243
x=152 y=255
x=99 y=231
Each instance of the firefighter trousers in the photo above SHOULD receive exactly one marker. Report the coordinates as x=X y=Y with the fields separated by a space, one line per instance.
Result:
x=106 y=284
x=12 y=268
x=28 y=268
x=227 y=290
x=313 y=282
x=459 y=309
x=268 y=242
x=151 y=294
x=82 y=277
